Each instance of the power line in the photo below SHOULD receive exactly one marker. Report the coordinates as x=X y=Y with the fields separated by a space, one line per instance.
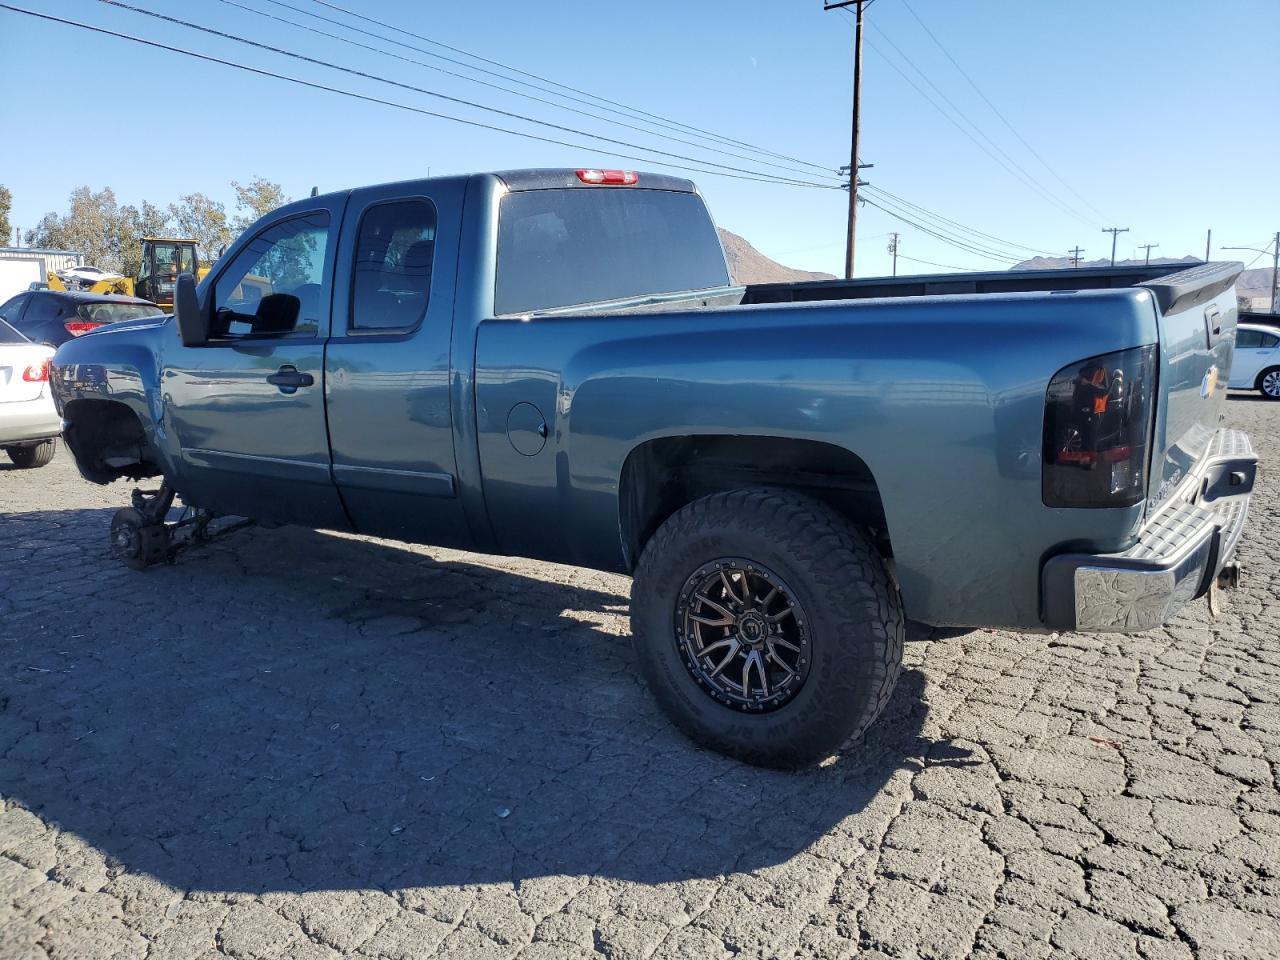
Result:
x=986 y=254
x=1003 y=119
x=450 y=99
x=930 y=263
x=949 y=234
x=1027 y=175
x=1020 y=177
x=155 y=44
x=664 y=121
x=484 y=83
x=955 y=223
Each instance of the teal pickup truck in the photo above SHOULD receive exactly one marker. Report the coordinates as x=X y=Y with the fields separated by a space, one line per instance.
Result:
x=556 y=364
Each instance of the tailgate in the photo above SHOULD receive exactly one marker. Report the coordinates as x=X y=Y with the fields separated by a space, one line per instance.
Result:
x=1197 y=319
x=15 y=359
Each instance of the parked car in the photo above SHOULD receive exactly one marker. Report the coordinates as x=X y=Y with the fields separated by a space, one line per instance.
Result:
x=1256 y=364
x=56 y=316
x=29 y=424
x=555 y=364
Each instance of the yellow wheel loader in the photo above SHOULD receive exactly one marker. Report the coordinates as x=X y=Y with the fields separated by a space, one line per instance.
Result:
x=163 y=258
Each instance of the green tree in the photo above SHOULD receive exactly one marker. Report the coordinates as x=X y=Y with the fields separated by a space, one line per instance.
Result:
x=256 y=199
x=107 y=233
x=6 y=204
x=204 y=220
x=90 y=225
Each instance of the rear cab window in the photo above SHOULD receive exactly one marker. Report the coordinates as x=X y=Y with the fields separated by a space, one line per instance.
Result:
x=567 y=246
x=393 y=262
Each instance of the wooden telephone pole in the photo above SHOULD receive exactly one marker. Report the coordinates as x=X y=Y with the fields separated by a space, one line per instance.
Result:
x=853 y=148
x=1115 y=232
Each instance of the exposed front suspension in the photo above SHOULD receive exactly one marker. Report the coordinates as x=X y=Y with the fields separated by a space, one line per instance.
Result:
x=142 y=536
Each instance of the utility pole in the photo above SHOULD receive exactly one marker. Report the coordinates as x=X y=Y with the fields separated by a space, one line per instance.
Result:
x=1075 y=256
x=1275 y=267
x=1115 y=232
x=1208 y=237
x=1148 y=247
x=853 y=149
x=893 y=248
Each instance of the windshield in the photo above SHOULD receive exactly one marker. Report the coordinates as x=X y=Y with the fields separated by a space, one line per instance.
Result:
x=113 y=312
x=557 y=248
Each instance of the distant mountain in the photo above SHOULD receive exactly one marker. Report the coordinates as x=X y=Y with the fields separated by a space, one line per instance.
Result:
x=749 y=265
x=1254 y=283
x=1064 y=263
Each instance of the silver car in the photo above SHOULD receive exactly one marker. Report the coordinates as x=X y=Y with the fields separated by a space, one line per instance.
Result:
x=29 y=425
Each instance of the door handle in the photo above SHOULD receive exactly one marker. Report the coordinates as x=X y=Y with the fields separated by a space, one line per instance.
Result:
x=289 y=379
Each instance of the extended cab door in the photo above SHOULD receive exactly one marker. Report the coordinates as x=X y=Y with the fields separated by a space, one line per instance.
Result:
x=387 y=363
x=247 y=408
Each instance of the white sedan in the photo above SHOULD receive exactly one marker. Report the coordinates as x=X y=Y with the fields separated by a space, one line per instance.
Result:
x=29 y=425
x=1256 y=365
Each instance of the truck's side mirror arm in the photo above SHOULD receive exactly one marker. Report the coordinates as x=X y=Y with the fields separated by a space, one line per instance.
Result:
x=193 y=322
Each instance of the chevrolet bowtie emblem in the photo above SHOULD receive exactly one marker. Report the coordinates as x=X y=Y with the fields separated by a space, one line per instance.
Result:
x=1210 y=382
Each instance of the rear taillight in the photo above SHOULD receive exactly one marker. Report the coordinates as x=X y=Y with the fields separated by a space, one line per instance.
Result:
x=1097 y=429
x=37 y=372
x=78 y=328
x=621 y=178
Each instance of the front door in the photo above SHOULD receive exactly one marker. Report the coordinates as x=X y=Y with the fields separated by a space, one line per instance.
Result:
x=247 y=408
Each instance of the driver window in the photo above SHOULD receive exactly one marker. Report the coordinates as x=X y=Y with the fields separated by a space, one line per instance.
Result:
x=272 y=287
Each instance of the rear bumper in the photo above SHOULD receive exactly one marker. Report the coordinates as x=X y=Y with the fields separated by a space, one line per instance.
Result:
x=1178 y=555
x=29 y=420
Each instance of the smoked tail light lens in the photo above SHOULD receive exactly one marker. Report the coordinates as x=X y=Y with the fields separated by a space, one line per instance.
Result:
x=1097 y=430
x=78 y=328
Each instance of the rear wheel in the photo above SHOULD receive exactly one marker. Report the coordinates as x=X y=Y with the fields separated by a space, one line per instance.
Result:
x=33 y=455
x=1269 y=383
x=766 y=626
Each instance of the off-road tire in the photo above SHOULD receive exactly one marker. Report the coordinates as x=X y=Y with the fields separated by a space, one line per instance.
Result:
x=854 y=611
x=33 y=455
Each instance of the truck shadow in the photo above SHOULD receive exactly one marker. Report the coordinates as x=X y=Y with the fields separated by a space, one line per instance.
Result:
x=290 y=710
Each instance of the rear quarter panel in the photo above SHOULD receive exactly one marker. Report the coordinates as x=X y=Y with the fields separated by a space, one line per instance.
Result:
x=943 y=398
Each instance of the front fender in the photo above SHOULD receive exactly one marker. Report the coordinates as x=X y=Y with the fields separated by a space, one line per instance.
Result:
x=117 y=365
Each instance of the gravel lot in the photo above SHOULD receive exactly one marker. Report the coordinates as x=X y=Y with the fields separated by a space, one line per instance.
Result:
x=296 y=744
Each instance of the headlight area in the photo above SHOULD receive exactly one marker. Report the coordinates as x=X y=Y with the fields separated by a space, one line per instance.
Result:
x=1097 y=430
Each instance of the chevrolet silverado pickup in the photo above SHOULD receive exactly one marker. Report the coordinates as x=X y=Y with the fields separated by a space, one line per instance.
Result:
x=555 y=364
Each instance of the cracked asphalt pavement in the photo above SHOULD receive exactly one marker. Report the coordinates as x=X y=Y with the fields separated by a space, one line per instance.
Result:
x=305 y=745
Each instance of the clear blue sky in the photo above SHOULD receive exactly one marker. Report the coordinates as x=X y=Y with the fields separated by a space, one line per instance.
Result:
x=1161 y=115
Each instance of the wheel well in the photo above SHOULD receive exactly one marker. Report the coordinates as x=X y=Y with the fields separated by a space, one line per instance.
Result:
x=108 y=441
x=1257 y=382
x=661 y=476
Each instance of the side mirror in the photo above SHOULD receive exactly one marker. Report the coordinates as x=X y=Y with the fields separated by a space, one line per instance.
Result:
x=193 y=322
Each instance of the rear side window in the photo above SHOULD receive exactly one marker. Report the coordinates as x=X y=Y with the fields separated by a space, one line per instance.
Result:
x=1269 y=340
x=12 y=307
x=1248 y=338
x=10 y=335
x=392 y=273
x=557 y=248
x=42 y=310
